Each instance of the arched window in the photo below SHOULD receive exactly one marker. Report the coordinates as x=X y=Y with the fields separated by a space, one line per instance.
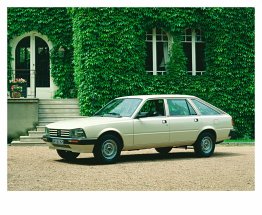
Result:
x=194 y=48
x=32 y=54
x=22 y=63
x=157 y=43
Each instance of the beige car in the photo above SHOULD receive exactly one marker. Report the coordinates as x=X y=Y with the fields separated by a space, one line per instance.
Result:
x=142 y=122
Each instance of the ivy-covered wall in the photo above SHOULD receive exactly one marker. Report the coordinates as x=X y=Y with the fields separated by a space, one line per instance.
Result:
x=105 y=53
x=110 y=50
x=56 y=24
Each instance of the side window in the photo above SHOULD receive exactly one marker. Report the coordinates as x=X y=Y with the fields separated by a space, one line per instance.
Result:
x=152 y=108
x=204 y=109
x=180 y=107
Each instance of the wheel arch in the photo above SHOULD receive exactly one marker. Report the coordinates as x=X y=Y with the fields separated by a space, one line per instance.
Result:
x=114 y=133
x=208 y=130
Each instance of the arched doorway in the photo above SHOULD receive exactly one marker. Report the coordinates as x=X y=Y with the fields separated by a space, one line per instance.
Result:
x=31 y=54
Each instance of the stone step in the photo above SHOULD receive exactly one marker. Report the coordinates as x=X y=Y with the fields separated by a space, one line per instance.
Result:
x=36 y=133
x=58 y=118
x=40 y=128
x=19 y=143
x=57 y=115
x=43 y=124
x=50 y=110
x=59 y=110
x=29 y=139
x=58 y=106
x=58 y=101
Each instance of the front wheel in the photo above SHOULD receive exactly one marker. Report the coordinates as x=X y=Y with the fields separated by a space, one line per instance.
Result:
x=108 y=149
x=205 y=145
x=67 y=155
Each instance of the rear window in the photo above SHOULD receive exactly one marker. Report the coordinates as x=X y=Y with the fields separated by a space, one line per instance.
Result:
x=204 y=109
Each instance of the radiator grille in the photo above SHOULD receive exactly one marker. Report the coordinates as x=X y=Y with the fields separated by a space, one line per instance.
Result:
x=59 y=133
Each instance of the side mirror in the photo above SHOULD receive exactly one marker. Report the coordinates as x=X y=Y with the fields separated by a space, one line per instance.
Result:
x=141 y=115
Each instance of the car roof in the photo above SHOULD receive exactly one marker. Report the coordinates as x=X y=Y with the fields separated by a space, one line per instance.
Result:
x=158 y=96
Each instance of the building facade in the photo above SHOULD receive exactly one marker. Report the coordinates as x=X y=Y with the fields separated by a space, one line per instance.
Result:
x=96 y=54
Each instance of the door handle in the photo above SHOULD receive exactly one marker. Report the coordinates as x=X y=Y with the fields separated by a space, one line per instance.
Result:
x=195 y=120
x=164 y=121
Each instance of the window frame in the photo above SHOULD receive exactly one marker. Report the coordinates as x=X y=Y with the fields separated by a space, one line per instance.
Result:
x=188 y=103
x=154 y=41
x=208 y=105
x=193 y=42
x=137 y=115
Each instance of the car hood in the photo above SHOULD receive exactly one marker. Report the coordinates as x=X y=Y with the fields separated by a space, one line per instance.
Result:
x=84 y=122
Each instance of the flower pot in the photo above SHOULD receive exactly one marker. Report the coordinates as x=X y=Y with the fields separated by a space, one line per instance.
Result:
x=16 y=94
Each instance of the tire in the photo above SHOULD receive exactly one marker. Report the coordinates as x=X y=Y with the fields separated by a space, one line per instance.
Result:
x=67 y=155
x=108 y=149
x=164 y=150
x=205 y=145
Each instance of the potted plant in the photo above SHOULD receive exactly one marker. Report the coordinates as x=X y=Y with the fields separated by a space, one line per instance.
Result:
x=18 y=88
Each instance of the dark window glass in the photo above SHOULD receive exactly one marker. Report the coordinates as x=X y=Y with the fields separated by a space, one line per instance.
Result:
x=149 y=37
x=204 y=109
x=188 y=53
x=42 y=63
x=22 y=60
x=180 y=107
x=149 y=56
x=200 y=56
x=153 y=108
x=160 y=56
x=188 y=31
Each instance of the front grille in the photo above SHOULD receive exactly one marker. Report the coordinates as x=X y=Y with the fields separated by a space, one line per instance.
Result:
x=64 y=133
x=59 y=133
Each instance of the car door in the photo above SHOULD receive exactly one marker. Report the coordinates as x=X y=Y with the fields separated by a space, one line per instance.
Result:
x=183 y=122
x=151 y=126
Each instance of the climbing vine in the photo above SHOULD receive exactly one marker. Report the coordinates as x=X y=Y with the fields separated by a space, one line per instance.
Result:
x=56 y=24
x=105 y=54
x=109 y=57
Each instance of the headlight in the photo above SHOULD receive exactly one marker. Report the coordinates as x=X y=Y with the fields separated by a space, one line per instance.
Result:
x=46 y=131
x=78 y=133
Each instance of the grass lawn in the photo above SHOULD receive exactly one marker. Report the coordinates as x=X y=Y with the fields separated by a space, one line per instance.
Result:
x=239 y=142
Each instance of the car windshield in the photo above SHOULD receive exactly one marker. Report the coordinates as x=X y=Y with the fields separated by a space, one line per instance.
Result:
x=119 y=108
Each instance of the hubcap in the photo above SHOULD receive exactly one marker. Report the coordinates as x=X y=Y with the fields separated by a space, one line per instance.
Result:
x=109 y=149
x=206 y=144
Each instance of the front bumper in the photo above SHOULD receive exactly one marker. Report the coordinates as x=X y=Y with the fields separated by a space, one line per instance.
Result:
x=80 y=145
x=77 y=141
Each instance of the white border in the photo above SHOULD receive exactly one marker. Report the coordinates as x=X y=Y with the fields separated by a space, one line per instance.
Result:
x=128 y=202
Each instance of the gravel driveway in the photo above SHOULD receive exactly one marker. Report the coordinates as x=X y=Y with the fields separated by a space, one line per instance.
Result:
x=39 y=168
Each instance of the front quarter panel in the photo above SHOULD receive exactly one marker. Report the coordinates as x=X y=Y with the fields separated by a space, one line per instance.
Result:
x=123 y=127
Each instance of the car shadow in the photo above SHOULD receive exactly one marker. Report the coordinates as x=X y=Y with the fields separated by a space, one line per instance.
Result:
x=152 y=157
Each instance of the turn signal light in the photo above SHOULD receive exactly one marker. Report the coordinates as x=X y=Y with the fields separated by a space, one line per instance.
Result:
x=73 y=141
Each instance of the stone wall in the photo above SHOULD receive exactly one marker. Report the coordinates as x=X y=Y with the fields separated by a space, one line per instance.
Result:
x=22 y=115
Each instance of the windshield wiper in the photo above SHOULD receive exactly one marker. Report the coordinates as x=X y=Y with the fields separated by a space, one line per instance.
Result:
x=112 y=114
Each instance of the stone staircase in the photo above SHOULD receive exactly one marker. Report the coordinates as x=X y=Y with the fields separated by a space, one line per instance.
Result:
x=50 y=110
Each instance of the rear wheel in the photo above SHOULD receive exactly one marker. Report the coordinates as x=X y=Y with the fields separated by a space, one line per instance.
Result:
x=205 y=145
x=163 y=150
x=67 y=155
x=108 y=149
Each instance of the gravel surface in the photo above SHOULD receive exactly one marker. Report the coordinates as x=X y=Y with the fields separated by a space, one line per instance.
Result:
x=39 y=168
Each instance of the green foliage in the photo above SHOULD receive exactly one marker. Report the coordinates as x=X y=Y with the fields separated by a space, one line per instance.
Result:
x=109 y=57
x=105 y=54
x=56 y=24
